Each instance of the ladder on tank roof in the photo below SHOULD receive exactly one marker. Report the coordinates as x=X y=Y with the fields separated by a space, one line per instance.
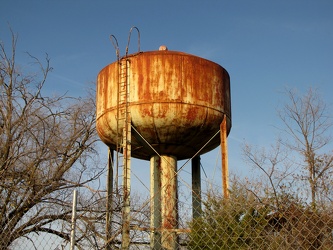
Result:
x=123 y=118
x=123 y=146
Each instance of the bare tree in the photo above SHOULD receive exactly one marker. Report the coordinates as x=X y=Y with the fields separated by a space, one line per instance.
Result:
x=279 y=215
x=46 y=149
x=299 y=153
x=307 y=127
x=275 y=172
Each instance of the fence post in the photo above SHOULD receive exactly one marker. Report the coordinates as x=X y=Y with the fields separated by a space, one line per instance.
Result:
x=73 y=219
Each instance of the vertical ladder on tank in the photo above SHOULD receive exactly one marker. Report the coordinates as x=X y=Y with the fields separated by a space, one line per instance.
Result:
x=124 y=147
x=121 y=116
x=123 y=141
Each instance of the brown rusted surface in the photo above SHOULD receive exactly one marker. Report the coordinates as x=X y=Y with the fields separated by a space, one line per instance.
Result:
x=224 y=156
x=169 y=201
x=177 y=102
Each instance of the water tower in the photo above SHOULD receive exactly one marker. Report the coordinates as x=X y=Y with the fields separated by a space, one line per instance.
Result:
x=162 y=106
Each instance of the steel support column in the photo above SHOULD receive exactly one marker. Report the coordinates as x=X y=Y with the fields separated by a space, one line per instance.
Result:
x=196 y=187
x=155 y=202
x=224 y=153
x=169 y=202
x=109 y=184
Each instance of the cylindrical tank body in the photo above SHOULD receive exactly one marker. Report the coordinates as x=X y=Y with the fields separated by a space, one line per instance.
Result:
x=176 y=101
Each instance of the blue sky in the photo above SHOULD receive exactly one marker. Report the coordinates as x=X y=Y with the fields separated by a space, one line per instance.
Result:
x=264 y=45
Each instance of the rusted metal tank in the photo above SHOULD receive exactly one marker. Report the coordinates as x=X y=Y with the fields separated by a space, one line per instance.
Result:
x=176 y=101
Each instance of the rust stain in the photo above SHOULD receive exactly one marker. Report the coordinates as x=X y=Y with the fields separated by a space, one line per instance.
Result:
x=169 y=195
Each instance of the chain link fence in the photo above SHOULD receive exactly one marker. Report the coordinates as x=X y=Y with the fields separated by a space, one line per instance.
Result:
x=245 y=220
x=250 y=223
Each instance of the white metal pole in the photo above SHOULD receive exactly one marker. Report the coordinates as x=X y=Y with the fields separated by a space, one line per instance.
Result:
x=73 y=219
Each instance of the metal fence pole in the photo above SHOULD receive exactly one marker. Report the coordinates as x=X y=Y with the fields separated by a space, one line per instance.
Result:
x=73 y=220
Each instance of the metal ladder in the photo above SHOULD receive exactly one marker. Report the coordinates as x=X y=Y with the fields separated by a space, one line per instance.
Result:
x=122 y=120
x=123 y=147
x=123 y=139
